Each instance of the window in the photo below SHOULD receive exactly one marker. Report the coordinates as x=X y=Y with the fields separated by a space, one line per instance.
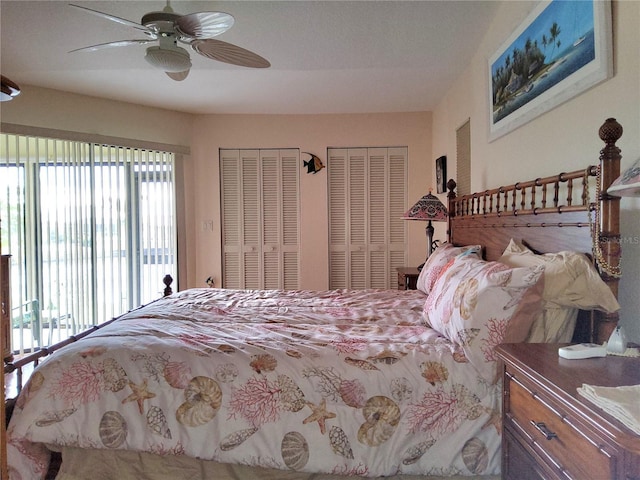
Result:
x=90 y=229
x=367 y=197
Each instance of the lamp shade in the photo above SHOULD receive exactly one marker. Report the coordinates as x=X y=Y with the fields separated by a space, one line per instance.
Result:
x=627 y=184
x=428 y=207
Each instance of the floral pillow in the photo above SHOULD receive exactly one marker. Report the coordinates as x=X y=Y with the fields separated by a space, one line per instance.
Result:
x=571 y=282
x=478 y=305
x=438 y=260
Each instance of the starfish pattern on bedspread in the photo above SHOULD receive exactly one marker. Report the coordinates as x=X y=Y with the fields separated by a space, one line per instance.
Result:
x=320 y=415
x=140 y=394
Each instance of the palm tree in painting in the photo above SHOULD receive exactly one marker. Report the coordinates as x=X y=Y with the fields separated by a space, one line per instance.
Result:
x=554 y=31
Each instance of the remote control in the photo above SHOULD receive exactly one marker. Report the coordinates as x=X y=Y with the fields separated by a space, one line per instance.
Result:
x=583 y=350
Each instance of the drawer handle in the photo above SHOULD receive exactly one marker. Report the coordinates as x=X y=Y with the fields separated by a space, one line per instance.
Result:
x=542 y=427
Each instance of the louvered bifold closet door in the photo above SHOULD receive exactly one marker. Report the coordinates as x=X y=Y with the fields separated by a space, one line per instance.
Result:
x=337 y=160
x=397 y=205
x=367 y=196
x=241 y=218
x=230 y=191
x=260 y=218
x=251 y=219
x=290 y=222
x=358 y=220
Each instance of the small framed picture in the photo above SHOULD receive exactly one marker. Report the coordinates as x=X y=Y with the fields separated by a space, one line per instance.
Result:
x=441 y=174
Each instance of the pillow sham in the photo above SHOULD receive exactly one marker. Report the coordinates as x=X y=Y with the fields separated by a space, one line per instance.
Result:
x=571 y=282
x=479 y=304
x=438 y=260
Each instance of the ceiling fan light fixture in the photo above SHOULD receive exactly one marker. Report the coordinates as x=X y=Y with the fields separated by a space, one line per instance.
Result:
x=178 y=76
x=174 y=60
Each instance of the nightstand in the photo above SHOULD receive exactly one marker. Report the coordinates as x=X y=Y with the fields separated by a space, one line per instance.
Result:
x=407 y=278
x=549 y=431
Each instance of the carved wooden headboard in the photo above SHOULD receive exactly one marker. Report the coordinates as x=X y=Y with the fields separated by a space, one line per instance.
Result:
x=568 y=211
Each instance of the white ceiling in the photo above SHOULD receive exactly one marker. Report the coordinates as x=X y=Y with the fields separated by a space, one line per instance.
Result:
x=326 y=56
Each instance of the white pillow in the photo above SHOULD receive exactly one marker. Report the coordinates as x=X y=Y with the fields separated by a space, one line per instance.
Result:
x=571 y=282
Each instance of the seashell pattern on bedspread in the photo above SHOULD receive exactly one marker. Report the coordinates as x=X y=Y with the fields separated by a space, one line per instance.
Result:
x=341 y=382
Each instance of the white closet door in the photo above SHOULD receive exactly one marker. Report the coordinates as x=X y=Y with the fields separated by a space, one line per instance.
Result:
x=251 y=218
x=337 y=161
x=397 y=205
x=271 y=216
x=232 y=237
x=290 y=224
x=260 y=199
x=357 y=218
x=367 y=197
x=378 y=214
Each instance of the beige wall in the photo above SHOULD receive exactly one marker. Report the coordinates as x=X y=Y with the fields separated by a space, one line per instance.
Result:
x=565 y=138
x=53 y=109
x=310 y=133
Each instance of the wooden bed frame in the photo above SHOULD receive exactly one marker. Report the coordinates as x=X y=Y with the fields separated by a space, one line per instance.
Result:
x=531 y=211
x=553 y=214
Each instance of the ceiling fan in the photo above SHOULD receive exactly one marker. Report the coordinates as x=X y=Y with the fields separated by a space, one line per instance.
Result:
x=168 y=28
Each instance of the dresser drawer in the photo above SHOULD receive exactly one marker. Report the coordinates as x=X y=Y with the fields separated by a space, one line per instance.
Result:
x=553 y=436
x=517 y=461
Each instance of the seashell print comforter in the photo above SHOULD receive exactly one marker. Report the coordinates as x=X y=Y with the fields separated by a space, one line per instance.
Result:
x=341 y=382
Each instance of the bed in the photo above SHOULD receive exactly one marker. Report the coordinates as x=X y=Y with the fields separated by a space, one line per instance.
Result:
x=214 y=383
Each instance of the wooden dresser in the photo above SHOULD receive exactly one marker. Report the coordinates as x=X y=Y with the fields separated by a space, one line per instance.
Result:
x=407 y=278
x=552 y=432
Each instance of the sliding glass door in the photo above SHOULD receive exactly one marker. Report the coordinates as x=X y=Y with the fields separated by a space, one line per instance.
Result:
x=91 y=231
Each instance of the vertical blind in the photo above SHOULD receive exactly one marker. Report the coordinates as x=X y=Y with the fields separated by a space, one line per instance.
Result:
x=90 y=229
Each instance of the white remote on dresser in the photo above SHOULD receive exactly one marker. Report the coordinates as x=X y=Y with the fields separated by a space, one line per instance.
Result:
x=583 y=350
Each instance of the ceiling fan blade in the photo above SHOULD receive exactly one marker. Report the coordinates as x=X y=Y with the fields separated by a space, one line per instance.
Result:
x=9 y=89
x=119 y=43
x=204 y=24
x=228 y=53
x=178 y=76
x=113 y=18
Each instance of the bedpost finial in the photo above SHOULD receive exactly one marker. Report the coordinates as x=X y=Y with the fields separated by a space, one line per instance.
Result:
x=167 y=280
x=610 y=131
x=451 y=185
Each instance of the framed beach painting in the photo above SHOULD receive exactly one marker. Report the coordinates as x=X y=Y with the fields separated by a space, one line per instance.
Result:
x=561 y=49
